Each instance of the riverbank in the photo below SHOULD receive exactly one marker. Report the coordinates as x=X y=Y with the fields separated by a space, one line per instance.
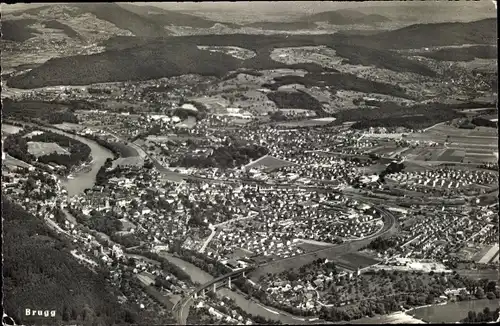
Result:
x=399 y=317
x=82 y=179
x=452 y=312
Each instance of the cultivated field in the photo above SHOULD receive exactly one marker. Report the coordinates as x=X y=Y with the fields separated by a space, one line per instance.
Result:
x=9 y=129
x=333 y=254
x=69 y=126
x=489 y=274
x=354 y=261
x=40 y=149
x=460 y=145
x=307 y=123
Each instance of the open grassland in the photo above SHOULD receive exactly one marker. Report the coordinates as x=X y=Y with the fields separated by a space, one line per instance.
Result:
x=40 y=149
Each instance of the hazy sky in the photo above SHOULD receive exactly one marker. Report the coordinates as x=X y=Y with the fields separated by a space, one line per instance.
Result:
x=426 y=10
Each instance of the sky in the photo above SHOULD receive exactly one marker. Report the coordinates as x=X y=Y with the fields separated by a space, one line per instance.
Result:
x=425 y=10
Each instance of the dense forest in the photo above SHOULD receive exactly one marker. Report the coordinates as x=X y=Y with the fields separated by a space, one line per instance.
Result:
x=17 y=146
x=39 y=272
x=338 y=81
x=391 y=114
x=79 y=152
x=223 y=157
x=485 y=316
x=70 y=32
x=52 y=112
x=166 y=266
x=484 y=122
x=297 y=100
x=18 y=30
x=382 y=244
x=152 y=58
x=462 y=54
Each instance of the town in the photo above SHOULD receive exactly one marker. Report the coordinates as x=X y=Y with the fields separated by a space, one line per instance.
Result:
x=296 y=179
x=306 y=189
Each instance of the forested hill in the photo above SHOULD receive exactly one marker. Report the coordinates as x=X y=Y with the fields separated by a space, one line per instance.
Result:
x=39 y=272
x=428 y=35
x=143 y=59
x=167 y=17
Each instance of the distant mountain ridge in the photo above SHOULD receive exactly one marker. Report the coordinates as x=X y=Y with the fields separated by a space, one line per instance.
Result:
x=168 y=17
x=428 y=35
x=345 y=17
x=133 y=58
x=337 y=17
x=142 y=21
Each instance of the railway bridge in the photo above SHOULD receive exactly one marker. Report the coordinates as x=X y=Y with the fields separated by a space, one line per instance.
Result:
x=211 y=285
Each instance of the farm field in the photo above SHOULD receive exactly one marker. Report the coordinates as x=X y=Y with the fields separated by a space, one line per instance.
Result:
x=12 y=161
x=307 y=123
x=69 y=126
x=390 y=136
x=40 y=149
x=462 y=145
x=9 y=129
x=354 y=261
x=383 y=150
x=489 y=274
x=473 y=140
x=439 y=133
x=333 y=253
x=269 y=162
x=455 y=154
x=443 y=129
x=490 y=253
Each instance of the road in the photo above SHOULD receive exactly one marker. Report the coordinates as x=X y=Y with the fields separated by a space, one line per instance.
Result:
x=210 y=237
x=216 y=226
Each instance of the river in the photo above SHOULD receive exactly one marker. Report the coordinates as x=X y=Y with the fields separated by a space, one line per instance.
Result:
x=250 y=306
x=86 y=177
x=453 y=311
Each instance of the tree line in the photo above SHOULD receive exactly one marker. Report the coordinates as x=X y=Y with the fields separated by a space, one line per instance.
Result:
x=485 y=316
x=223 y=157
